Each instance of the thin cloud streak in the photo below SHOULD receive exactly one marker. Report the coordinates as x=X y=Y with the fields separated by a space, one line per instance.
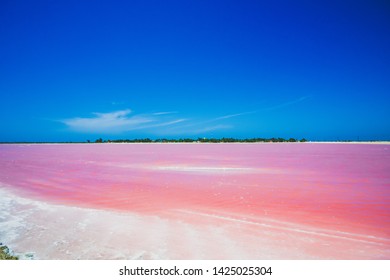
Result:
x=164 y=113
x=184 y=128
x=162 y=124
x=117 y=103
x=124 y=121
x=287 y=104
x=116 y=122
x=217 y=119
x=234 y=115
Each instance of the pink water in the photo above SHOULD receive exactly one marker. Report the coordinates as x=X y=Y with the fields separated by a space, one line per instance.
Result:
x=332 y=188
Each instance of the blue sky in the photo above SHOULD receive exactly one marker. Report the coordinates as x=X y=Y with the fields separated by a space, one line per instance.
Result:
x=77 y=70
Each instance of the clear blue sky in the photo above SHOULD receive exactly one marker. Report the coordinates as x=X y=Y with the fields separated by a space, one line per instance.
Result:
x=77 y=70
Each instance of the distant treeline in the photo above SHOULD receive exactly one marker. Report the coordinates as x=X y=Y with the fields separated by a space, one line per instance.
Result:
x=199 y=140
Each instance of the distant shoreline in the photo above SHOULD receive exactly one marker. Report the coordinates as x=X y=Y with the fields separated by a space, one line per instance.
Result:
x=203 y=143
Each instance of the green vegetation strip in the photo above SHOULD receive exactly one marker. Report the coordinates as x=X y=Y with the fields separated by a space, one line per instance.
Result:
x=200 y=140
x=5 y=255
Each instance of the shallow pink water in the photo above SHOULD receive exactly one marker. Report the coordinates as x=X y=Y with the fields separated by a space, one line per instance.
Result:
x=332 y=187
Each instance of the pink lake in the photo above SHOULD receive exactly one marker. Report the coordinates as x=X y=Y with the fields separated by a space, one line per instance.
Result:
x=296 y=200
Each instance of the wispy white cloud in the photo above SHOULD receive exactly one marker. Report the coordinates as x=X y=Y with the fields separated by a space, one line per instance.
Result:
x=117 y=103
x=203 y=122
x=160 y=122
x=234 y=115
x=172 y=122
x=203 y=126
x=287 y=104
x=164 y=113
x=117 y=121
x=282 y=105
x=197 y=130
x=219 y=123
